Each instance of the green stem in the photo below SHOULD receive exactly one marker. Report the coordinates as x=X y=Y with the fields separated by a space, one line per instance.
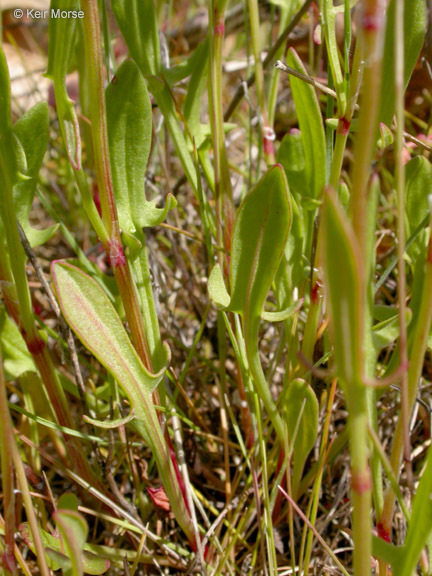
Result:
x=259 y=380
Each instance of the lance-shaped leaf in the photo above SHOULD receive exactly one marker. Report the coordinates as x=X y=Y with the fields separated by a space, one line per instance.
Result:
x=415 y=22
x=340 y=262
x=62 y=33
x=91 y=315
x=301 y=415
x=311 y=128
x=32 y=151
x=73 y=532
x=93 y=318
x=138 y=24
x=260 y=233
x=129 y=120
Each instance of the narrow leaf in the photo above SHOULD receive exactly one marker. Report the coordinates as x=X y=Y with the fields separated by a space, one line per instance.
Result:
x=259 y=238
x=343 y=287
x=35 y=121
x=415 y=22
x=129 y=120
x=301 y=415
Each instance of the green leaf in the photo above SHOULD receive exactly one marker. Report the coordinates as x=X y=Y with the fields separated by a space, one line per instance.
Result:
x=260 y=234
x=73 y=532
x=301 y=416
x=32 y=151
x=68 y=501
x=386 y=136
x=92 y=563
x=291 y=155
x=415 y=22
x=420 y=524
x=328 y=15
x=129 y=121
x=217 y=289
x=340 y=263
x=93 y=318
x=259 y=237
x=16 y=358
x=62 y=32
x=311 y=128
x=387 y=331
x=385 y=551
x=282 y=314
x=138 y=23
x=418 y=187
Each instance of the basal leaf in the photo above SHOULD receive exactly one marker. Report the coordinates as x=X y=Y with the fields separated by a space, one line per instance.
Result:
x=340 y=263
x=129 y=120
x=93 y=318
x=91 y=315
x=259 y=238
x=415 y=21
x=301 y=416
x=33 y=149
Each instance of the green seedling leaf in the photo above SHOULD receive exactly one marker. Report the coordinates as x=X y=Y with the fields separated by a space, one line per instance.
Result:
x=92 y=317
x=137 y=21
x=418 y=187
x=415 y=22
x=301 y=416
x=62 y=33
x=420 y=524
x=217 y=289
x=73 y=532
x=340 y=263
x=32 y=151
x=129 y=120
x=16 y=358
x=311 y=128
